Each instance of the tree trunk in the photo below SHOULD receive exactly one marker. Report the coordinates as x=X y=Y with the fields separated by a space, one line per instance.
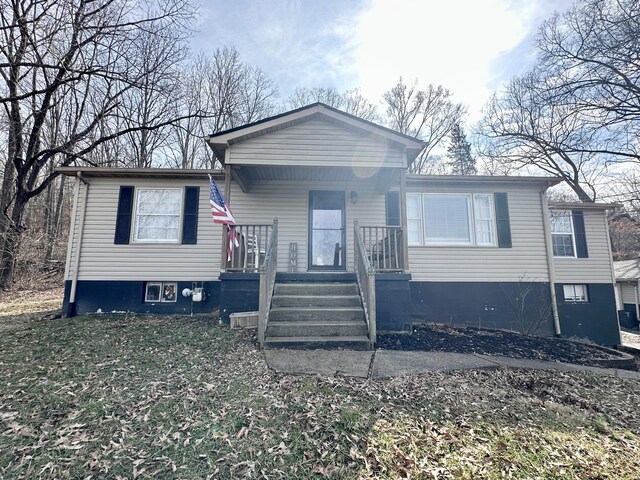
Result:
x=54 y=230
x=12 y=235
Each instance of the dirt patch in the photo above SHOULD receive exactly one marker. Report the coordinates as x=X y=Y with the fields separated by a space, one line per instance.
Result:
x=493 y=342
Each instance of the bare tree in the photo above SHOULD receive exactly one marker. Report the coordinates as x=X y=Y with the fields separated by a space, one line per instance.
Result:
x=72 y=58
x=349 y=101
x=523 y=129
x=591 y=52
x=427 y=114
x=151 y=103
x=303 y=96
x=216 y=92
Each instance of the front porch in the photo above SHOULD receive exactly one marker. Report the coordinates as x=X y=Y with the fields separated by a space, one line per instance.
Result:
x=331 y=307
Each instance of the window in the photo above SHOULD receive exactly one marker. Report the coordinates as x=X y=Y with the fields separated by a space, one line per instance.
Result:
x=157 y=214
x=562 y=238
x=446 y=219
x=451 y=219
x=575 y=293
x=161 y=292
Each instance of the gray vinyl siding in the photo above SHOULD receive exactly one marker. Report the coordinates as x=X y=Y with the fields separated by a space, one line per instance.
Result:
x=627 y=292
x=317 y=143
x=525 y=261
x=289 y=203
x=597 y=268
x=100 y=259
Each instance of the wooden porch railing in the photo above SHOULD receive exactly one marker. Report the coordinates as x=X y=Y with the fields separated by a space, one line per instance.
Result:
x=366 y=276
x=251 y=254
x=384 y=246
x=268 y=270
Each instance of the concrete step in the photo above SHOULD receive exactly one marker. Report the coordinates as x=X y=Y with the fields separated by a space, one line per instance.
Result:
x=293 y=314
x=316 y=289
x=316 y=329
x=321 y=342
x=316 y=301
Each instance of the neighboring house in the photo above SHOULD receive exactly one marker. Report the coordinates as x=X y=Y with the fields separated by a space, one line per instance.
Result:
x=628 y=290
x=358 y=245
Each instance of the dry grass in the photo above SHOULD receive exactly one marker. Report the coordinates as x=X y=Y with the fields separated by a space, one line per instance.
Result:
x=174 y=397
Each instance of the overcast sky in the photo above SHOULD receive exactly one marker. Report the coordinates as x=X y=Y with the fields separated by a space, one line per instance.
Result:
x=469 y=46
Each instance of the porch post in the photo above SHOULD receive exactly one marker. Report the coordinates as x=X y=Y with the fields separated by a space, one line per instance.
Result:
x=225 y=227
x=403 y=219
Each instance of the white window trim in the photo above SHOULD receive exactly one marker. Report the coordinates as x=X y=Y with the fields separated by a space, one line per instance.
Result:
x=471 y=218
x=572 y=298
x=135 y=213
x=494 y=224
x=162 y=286
x=573 y=233
x=420 y=219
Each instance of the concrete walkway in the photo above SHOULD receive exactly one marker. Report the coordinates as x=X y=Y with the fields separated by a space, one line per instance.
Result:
x=390 y=363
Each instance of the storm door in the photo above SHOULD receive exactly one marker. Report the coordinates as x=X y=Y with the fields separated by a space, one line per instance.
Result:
x=326 y=231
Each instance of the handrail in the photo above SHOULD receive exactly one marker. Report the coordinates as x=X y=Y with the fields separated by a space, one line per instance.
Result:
x=384 y=247
x=366 y=276
x=250 y=252
x=268 y=270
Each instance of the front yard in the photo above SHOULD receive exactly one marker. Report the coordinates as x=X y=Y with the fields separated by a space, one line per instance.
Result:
x=116 y=397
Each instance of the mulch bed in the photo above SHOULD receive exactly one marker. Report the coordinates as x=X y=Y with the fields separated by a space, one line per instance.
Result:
x=440 y=338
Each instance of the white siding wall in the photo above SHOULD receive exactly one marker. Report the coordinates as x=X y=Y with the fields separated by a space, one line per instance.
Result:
x=597 y=268
x=628 y=292
x=317 y=143
x=100 y=259
x=526 y=260
x=289 y=202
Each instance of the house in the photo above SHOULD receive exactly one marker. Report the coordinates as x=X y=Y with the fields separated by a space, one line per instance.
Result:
x=628 y=290
x=335 y=241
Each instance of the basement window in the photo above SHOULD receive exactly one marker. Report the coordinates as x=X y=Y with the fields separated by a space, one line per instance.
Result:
x=160 y=292
x=575 y=293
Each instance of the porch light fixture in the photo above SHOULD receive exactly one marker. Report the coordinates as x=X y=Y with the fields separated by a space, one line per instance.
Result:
x=354 y=196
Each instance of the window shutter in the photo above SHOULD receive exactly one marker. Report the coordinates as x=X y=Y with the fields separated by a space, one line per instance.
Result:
x=190 y=217
x=392 y=206
x=581 y=237
x=501 y=202
x=123 y=217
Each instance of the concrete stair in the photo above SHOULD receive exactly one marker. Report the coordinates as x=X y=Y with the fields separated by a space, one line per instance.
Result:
x=317 y=314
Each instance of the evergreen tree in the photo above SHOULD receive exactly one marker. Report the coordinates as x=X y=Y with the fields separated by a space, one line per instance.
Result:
x=459 y=152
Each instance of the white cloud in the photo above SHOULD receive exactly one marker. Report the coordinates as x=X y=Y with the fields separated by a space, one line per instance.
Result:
x=452 y=43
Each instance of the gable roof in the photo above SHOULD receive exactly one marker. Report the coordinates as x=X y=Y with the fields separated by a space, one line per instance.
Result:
x=220 y=141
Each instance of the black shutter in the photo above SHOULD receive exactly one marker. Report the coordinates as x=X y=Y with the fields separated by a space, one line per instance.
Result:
x=190 y=217
x=123 y=217
x=578 y=230
x=392 y=206
x=502 y=219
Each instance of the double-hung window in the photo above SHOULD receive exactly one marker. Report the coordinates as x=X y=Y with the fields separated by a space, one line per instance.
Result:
x=451 y=219
x=157 y=214
x=562 y=237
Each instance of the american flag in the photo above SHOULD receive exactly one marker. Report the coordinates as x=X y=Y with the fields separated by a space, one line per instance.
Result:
x=219 y=209
x=221 y=212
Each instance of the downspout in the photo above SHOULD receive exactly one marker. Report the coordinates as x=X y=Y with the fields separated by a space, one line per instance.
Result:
x=76 y=260
x=613 y=272
x=550 y=265
x=637 y=287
